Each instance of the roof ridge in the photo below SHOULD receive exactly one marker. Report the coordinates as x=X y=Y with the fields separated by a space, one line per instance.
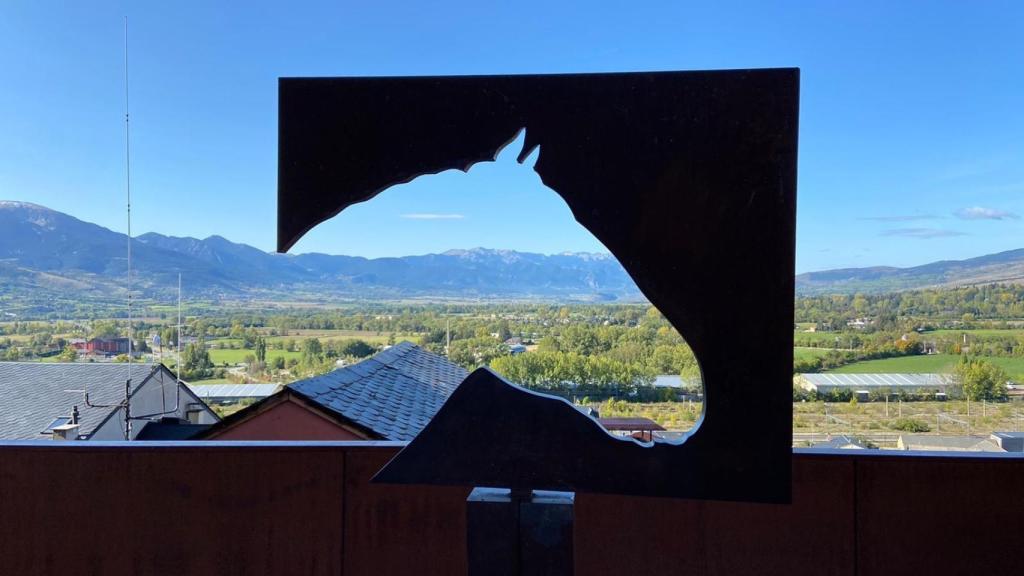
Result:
x=398 y=350
x=395 y=395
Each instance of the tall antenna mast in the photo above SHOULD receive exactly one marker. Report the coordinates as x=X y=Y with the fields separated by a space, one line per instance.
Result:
x=126 y=403
x=128 y=188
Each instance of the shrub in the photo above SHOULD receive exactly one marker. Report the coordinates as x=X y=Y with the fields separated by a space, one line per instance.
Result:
x=909 y=425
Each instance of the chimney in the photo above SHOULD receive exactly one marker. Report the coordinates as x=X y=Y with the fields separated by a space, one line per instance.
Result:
x=65 y=432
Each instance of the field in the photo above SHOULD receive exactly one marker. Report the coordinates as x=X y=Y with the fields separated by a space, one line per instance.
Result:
x=808 y=353
x=324 y=336
x=675 y=416
x=329 y=335
x=932 y=363
x=210 y=381
x=237 y=355
x=872 y=420
x=824 y=339
x=230 y=349
x=1015 y=333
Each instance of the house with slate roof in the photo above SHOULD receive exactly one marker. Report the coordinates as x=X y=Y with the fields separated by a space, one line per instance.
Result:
x=41 y=401
x=841 y=442
x=389 y=396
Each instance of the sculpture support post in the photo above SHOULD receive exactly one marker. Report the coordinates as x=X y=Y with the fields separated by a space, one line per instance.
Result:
x=511 y=533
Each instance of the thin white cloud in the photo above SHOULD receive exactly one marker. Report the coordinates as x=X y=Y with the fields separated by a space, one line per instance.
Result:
x=430 y=216
x=979 y=213
x=899 y=218
x=922 y=233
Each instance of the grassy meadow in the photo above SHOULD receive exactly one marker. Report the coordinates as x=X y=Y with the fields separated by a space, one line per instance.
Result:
x=809 y=353
x=230 y=350
x=932 y=363
x=237 y=355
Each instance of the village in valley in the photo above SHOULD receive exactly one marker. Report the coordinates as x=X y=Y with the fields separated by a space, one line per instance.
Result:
x=943 y=375
x=509 y=289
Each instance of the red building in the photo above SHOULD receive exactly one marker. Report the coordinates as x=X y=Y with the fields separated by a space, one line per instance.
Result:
x=288 y=416
x=106 y=346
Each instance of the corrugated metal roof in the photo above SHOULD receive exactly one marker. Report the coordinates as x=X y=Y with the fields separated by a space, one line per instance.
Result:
x=32 y=394
x=395 y=393
x=674 y=381
x=869 y=381
x=233 y=390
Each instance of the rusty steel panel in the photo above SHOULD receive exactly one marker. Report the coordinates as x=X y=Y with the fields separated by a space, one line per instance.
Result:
x=191 y=511
x=657 y=537
x=921 y=515
x=305 y=508
x=400 y=530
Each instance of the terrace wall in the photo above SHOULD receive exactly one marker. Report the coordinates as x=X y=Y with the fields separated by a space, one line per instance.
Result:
x=308 y=508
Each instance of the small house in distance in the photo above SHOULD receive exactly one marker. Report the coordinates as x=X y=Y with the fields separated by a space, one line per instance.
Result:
x=41 y=401
x=638 y=428
x=389 y=396
x=932 y=443
x=101 y=346
x=1009 y=441
x=841 y=442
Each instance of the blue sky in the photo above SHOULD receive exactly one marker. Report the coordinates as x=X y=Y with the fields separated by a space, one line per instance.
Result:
x=911 y=142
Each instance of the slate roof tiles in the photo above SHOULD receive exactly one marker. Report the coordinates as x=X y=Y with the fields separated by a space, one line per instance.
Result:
x=33 y=394
x=395 y=393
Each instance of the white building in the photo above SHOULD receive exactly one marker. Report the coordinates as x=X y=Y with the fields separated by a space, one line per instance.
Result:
x=894 y=383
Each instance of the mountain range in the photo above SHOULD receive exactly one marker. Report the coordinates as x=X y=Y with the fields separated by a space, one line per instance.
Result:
x=1003 y=267
x=43 y=251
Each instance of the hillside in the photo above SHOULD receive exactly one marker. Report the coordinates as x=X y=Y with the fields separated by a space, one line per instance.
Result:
x=1001 y=267
x=47 y=253
x=43 y=251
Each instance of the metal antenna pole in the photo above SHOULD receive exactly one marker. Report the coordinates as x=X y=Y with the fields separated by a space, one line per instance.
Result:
x=128 y=187
x=177 y=341
x=177 y=377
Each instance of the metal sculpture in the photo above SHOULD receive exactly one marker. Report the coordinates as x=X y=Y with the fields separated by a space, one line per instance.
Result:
x=688 y=178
